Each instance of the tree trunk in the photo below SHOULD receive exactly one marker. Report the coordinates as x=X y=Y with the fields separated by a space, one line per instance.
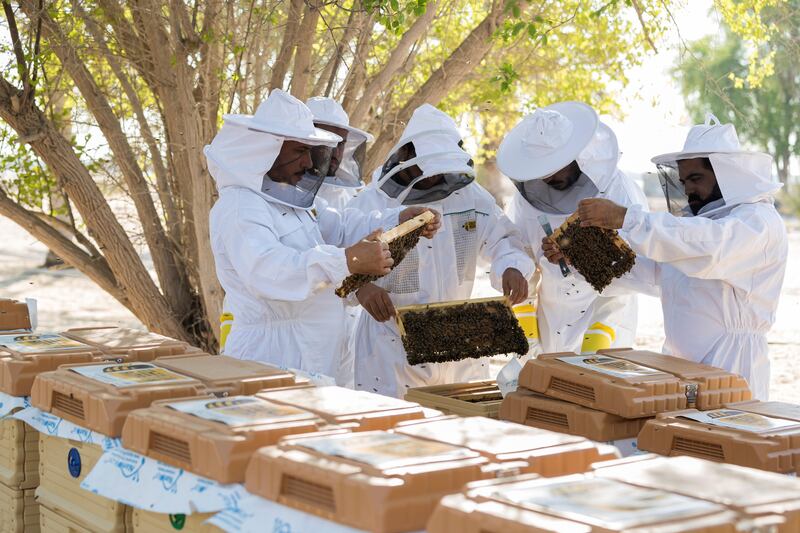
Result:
x=281 y=65
x=302 y=59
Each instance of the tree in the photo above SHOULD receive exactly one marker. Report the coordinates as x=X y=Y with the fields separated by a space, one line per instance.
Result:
x=714 y=77
x=150 y=81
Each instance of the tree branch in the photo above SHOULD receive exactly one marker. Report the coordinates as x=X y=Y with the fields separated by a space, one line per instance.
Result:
x=288 y=43
x=19 y=53
x=302 y=59
x=640 y=15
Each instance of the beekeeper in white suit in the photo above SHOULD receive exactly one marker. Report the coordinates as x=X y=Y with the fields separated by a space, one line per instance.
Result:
x=345 y=172
x=556 y=157
x=718 y=259
x=429 y=167
x=277 y=251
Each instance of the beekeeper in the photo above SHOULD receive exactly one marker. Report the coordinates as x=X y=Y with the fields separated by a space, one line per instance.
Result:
x=556 y=157
x=717 y=259
x=277 y=252
x=428 y=167
x=345 y=171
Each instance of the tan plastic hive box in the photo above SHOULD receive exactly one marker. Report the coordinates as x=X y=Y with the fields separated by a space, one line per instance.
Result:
x=579 y=503
x=14 y=315
x=149 y=522
x=525 y=407
x=764 y=435
x=750 y=492
x=19 y=454
x=632 y=384
x=24 y=356
x=378 y=481
x=542 y=452
x=213 y=437
x=228 y=375
x=99 y=396
x=65 y=506
x=338 y=405
x=19 y=512
x=140 y=345
x=475 y=398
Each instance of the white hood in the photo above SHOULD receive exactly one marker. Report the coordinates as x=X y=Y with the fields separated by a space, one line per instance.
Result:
x=239 y=157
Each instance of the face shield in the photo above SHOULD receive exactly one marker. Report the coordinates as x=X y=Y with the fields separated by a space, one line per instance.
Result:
x=300 y=192
x=550 y=200
x=678 y=202
x=426 y=170
x=352 y=164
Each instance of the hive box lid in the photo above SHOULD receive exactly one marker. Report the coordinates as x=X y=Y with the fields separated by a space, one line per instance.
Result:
x=210 y=436
x=542 y=452
x=228 y=375
x=473 y=398
x=379 y=481
x=580 y=502
x=23 y=356
x=14 y=316
x=99 y=396
x=526 y=407
x=764 y=435
x=749 y=491
x=338 y=405
x=631 y=384
x=116 y=340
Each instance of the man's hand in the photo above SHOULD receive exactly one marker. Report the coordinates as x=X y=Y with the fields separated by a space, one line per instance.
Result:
x=369 y=256
x=552 y=252
x=431 y=228
x=515 y=286
x=376 y=302
x=601 y=213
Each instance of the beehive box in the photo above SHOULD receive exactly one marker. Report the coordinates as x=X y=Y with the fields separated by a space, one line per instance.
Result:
x=455 y=330
x=14 y=315
x=149 y=522
x=65 y=507
x=764 y=435
x=99 y=396
x=338 y=406
x=525 y=407
x=528 y=450
x=617 y=382
x=378 y=481
x=19 y=455
x=475 y=398
x=227 y=375
x=23 y=357
x=19 y=512
x=213 y=437
x=751 y=493
x=401 y=239
x=136 y=344
x=580 y=503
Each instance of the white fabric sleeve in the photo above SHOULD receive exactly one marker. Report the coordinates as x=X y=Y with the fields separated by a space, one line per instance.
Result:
x=643 y=278
x=348 y=226
x=504 y=248
x=697 y=246
x=272 y=270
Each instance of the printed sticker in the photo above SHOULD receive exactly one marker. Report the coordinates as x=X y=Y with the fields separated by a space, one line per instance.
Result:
x=131 y=374
x=385 y=450
x=735 y=419
x=238 y=410
x=44 y=342
x=607 y=503
x=610 y=366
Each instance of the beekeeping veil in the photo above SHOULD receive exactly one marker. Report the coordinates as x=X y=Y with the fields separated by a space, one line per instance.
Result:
x=548 y=140
x=329 y=112
x=247 y=146
x=742 y=176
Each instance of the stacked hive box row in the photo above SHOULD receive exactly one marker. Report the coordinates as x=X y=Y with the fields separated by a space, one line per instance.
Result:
x=610 y=396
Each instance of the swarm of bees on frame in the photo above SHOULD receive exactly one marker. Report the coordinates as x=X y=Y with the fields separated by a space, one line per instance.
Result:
x=399 y=247
x=597 y=253
x=461 y=331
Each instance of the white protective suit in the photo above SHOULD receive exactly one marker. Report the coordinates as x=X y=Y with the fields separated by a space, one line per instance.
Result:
x=279 y=264
x=719 y=274
x=565 y=314
x=438 y=270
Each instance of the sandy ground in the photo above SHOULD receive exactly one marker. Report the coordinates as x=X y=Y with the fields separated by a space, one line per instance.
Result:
x=68 y=299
